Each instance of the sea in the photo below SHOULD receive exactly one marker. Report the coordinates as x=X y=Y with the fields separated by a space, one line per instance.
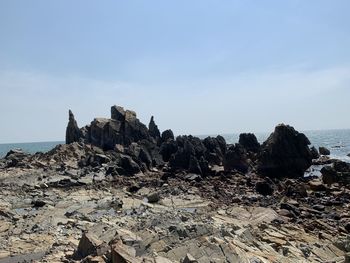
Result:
x=337 y=141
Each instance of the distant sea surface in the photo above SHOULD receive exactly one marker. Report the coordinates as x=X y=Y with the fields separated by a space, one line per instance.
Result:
x=337 y=141
x=30 y=147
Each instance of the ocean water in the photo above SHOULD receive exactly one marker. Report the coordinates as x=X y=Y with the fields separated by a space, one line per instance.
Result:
x=337 y=141
x=30 y=147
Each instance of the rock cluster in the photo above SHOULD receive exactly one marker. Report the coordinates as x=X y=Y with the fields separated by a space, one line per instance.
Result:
x=120 y=191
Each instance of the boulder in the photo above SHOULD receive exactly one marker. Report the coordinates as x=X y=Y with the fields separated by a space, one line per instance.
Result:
x=329 y=175
x=73 y=133
x=249 y=142
x=314 y=152
x=153 y=129
x=324 y=151
x=167 y=135
x=236 y=159
x=285 y=153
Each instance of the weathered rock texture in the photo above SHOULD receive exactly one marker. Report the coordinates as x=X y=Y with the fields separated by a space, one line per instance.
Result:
x=285 y=153
x=73 y=133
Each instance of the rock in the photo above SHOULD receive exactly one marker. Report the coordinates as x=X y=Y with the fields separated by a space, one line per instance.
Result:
x=167 y=149
x=124 y=254
x=264 y=188
x=38 y=203
x=88 y=245
x=153 y=197
x=317 y=186
x=329 y=175
x=189 y=259
x=15 y=158
x=153 y=129
x=215 y=149
x=128 y=165
x=167 y=135
x=249 y=142
x=314 y=152
x=123 y=128
x=73 y=133
x=194 y=166
x=285 y=154
x=324 y=151
x=236 y=159
x=118 y=113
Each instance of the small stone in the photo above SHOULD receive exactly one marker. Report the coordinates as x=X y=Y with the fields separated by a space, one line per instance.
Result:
x=153 y=197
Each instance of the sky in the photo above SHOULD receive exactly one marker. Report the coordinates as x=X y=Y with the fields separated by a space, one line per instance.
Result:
x=199 y=66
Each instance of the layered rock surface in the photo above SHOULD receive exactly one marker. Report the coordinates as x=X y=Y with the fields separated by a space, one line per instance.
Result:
x=122 y=192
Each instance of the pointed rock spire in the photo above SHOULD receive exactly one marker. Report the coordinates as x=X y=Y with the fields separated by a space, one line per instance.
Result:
x=73 y=133
x=153 y=129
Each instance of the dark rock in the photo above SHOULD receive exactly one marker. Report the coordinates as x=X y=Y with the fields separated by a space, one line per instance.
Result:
x=128 y=165
x=167 y=135
x=264 y=188
x=153 y=129
x=73 y=133
x=123 y=128
x=324 y=151
x=15 y=158
x=118 y=113
x=153 y=197
x=249 y=142
x=314 y=152
x=236 y=159
x=285 y=153
x=167 y=149
x=38 y=203
x=194 y=166
x=329 y=175
x=215 y=149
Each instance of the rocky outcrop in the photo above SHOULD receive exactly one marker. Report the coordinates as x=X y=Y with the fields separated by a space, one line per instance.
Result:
x=324 y=151
x=167 y=135
x=285 y=153
x=73 y=133
x=215 y=149
x=153 y=129
x=123 y=128
x=236 y=159
x=249 y=142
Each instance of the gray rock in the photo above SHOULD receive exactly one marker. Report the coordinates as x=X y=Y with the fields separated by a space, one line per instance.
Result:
x=324 y=151
x=249 y=142
x=73 y=133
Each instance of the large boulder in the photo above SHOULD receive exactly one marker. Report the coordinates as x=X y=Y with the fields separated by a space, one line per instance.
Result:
x=249 y=142
x=285 y=153
x=73 y=133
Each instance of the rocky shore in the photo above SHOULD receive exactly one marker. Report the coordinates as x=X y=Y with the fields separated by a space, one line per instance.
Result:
x=119 y=191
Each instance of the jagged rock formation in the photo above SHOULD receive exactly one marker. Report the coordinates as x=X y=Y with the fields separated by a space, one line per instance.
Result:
x=285 y=153
x=73 y=133
x=153 y=129
x=236 y=159
x=249 y=142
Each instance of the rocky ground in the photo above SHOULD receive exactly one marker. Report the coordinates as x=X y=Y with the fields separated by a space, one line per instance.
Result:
x=173 y=200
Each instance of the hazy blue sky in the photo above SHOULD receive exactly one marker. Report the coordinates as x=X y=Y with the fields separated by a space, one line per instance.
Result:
x=198 y=66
